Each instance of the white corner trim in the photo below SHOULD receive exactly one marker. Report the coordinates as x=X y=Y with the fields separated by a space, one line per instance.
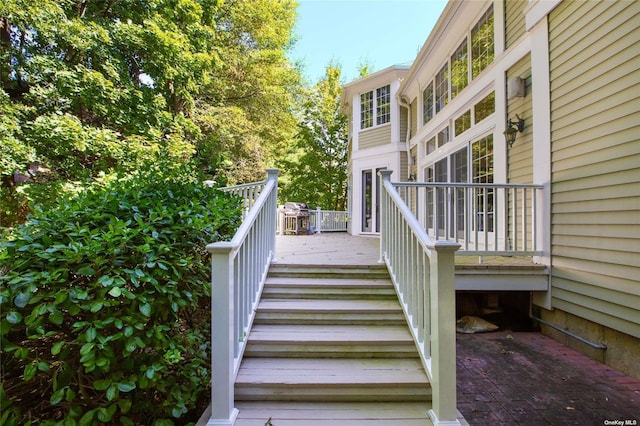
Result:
x=536 y=10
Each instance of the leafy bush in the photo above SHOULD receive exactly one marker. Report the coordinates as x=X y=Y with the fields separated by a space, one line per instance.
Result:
x=105 y=302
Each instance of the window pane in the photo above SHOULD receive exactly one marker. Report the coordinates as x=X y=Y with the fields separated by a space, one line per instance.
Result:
x=482 y=169
x=484 y=108
x=383 y=105
x=442 y=88
x=443 y=136
x=430 y=145
x=482 y=43
x=427 y=104
x=462 y=123
x=366 y=110
x=459 y=69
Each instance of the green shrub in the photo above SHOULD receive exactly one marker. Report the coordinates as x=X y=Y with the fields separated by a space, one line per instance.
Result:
x=105 y=302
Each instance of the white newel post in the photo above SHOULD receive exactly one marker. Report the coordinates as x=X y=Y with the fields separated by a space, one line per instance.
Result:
x=385 y=176
x=443 y=333
x=223 y=411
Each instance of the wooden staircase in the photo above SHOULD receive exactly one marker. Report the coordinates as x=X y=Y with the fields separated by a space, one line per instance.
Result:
x=330 y=346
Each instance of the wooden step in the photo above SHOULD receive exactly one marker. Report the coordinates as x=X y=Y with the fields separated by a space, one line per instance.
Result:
x=333 y=413
x=329 y=311
x=330 y=341
x=326 y=379
x=333 y=288
x=329 y=271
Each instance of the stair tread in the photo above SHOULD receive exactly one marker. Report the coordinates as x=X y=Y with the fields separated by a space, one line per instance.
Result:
x=356 y=334
x=331 y=372
x=344 y=305
x=328 y=282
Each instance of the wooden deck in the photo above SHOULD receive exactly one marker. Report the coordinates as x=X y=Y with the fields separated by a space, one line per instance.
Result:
x=473 y=273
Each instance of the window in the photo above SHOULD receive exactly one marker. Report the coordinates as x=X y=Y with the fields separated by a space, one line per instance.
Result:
x=459 y=69
x=482 y=43
x=462 y=123
x=383 y=105
x=430 y=145
x=443 y=136
x=427 y=104
x=366 y=110
x=442 y=88
x=484 y=108
x=482 y=172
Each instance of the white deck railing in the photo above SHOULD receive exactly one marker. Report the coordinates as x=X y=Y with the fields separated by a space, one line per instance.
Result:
x=239 y=270
x=486 y=219
x=422 y=271
x=318 y=221
x=329 y=220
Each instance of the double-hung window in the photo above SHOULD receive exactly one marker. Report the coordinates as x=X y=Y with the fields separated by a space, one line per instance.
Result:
x=383 y=105
x=380 y=103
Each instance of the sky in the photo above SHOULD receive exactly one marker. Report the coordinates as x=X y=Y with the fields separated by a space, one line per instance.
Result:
x=379 y=33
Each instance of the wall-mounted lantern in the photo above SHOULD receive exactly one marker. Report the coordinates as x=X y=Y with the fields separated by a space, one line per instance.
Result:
x=513 y=128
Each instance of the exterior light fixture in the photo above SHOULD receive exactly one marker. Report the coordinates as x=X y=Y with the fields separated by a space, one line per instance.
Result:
x=513 y=127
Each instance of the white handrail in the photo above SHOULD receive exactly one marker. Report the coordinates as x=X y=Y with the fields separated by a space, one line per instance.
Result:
x=423 y=274
x=485 y=218
x=238 y=272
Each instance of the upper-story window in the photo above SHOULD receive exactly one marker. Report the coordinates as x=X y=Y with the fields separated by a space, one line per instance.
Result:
x=380 y=103
x=459 y=69
x=442 y=88
x=383 y=105
x=427 y=104
x=482 y=43
x=471 y=57
x=366 y=110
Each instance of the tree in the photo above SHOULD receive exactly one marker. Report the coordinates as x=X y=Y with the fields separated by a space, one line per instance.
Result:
x=91 y=87
x=316 y=167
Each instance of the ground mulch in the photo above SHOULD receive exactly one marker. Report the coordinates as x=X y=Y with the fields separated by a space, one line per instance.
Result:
x=526 y=378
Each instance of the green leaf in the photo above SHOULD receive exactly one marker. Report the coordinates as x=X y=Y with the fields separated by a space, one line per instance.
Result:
x=91 y=334
x=86 y=348
x=115 y=291
x=22 y=299
x=14 y=317
x=127 y=386
x=56 y=348
x=145 y=309
x=112 y=392
x=125 y=405
x=87 y=418
x=30 y=371
x=56 y=317
x=43 y=366
x=96 y=306
x=69 y=395
x=57 y=396
x=86 y=270
x=101 y=384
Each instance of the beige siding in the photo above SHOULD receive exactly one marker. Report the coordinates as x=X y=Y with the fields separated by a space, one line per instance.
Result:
x=404 y=166
x=514 y=20
x=595 y=110
x=403 y=124
x=414 y=117
x=375 y=137
x=520 y=155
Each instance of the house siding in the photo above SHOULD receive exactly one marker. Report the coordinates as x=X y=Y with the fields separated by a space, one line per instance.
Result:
x=595 y=151
x=377 y=136
x=414 y=117
x=520 y=155
x=403 y=124
x=514 y=20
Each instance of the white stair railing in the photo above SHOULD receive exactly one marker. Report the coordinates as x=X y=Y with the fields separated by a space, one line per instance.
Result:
x=238 y=272
x=423 y=274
